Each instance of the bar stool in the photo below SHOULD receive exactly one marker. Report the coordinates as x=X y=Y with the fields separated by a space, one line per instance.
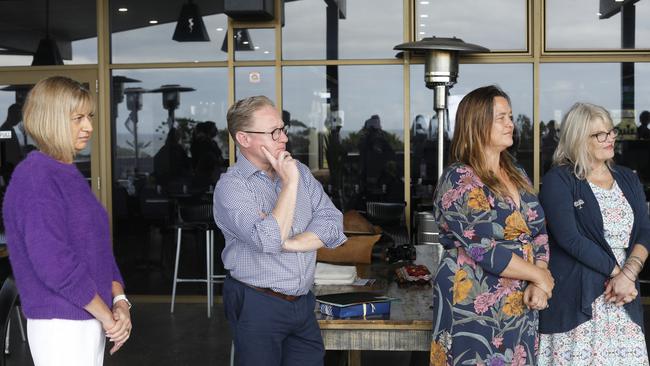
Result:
x=198 y=217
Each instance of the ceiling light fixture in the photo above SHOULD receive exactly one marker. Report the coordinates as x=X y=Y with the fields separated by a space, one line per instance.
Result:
x=47 y=52
x=122 y=10
x=243 y=41
x=190 y=26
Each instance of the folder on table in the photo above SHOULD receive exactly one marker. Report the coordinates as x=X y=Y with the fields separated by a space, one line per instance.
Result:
x=351 y=304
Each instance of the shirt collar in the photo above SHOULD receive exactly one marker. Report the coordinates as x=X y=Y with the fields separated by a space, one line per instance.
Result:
x=245 y=166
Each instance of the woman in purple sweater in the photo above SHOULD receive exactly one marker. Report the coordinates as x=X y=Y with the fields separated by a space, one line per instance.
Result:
x=58 y=236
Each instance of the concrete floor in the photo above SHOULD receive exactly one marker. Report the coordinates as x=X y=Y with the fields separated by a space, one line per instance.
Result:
x=189 y=338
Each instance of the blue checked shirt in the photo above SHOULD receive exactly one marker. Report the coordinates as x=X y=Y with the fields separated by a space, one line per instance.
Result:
x=244 y=198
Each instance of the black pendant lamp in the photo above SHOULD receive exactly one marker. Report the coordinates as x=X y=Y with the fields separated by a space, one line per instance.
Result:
x=243 y=41
x=190 y=26
x=47 y=52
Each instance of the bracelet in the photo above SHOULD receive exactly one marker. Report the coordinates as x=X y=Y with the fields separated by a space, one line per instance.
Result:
x=120 y=298
x=636 y=259
x=632 y=266
x=626 y=276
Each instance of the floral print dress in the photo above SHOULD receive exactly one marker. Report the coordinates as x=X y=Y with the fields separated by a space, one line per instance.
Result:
x=610 y=338
x=479 y=318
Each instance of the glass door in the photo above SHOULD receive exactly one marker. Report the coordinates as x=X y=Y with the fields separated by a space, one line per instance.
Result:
x=15 y=144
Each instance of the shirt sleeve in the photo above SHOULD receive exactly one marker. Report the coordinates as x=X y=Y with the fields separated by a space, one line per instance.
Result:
x=54 y=261
x=466 y=220
x=237 y=214
x=557 y=200
x=117 y=276
x=327 y=220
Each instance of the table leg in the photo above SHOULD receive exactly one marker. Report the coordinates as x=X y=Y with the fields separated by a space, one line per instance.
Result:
x=354 y=358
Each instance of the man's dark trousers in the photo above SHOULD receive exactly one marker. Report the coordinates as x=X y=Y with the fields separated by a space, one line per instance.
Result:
x=268 y=330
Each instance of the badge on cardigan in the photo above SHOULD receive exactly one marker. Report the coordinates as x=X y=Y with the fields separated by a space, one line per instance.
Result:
x=578 y=204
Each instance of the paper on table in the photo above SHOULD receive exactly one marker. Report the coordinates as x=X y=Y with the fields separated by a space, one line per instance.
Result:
x=330 y=274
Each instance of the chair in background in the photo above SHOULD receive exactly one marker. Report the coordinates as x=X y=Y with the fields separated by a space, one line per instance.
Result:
x=197 y=217
x=8 y=298
x=392 y=219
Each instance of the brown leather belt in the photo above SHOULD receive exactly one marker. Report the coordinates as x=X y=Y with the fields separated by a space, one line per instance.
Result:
x=268 y=291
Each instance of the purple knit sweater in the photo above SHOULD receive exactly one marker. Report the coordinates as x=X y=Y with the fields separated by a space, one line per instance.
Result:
x=58 y=239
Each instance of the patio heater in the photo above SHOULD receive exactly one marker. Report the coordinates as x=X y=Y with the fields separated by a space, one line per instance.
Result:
x=134 y=104
x=440 y=73
x=171 y=99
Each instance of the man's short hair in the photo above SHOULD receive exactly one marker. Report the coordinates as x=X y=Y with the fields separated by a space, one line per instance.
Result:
x=240 y=114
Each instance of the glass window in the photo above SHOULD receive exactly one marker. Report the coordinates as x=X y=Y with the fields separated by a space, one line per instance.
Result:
x=256 y=80
x=515 y=79
x=26 y=26
x=497 y=25
x=170 y=143
x=346 y=124
x=141 y=32
x=359 y=29
x=254 y=44
x=585 y=24
x=604 y=84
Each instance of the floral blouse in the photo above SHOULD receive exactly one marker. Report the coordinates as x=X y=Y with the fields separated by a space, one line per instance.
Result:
x=480 y=317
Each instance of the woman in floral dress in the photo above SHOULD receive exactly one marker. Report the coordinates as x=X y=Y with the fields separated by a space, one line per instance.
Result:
x=492 y=278
x=599 y=232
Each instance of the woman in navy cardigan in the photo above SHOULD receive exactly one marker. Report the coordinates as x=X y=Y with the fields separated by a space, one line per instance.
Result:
x=599 y=232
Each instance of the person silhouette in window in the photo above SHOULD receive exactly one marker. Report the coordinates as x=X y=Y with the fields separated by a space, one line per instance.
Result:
x=171 y=164
x=207 y=159
x=10 y=150
x=549 y=144
x=375 y=152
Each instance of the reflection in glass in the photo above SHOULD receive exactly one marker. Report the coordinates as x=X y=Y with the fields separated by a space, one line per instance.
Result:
x=170 y=144
x=349 y=131
x=18 y=144
x=515 y=79
x=601 y=84
x=359 y=29
x=25 y=24
x=478 y=26
x=254 y=44
x=256 y=80
x=583 y=24
x=144 y=33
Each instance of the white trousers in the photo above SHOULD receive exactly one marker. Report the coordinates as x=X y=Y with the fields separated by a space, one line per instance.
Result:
x=61 y=342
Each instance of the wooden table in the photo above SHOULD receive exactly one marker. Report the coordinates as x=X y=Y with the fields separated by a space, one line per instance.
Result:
x=407 y=328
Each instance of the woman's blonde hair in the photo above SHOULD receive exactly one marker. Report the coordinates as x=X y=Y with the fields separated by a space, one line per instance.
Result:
x=472 y=134
x=572 y=149
x=48 y=111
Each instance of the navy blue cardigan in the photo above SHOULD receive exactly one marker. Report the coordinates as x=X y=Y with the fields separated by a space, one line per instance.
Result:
x=580 y=258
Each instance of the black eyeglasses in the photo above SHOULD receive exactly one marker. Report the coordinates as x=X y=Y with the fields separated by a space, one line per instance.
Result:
x=602 y=136
x=275 y=134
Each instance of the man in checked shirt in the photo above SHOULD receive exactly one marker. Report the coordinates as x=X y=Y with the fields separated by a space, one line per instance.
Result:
x=274 y=215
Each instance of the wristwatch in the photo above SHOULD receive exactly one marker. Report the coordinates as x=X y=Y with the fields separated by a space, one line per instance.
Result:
x=122 y=297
